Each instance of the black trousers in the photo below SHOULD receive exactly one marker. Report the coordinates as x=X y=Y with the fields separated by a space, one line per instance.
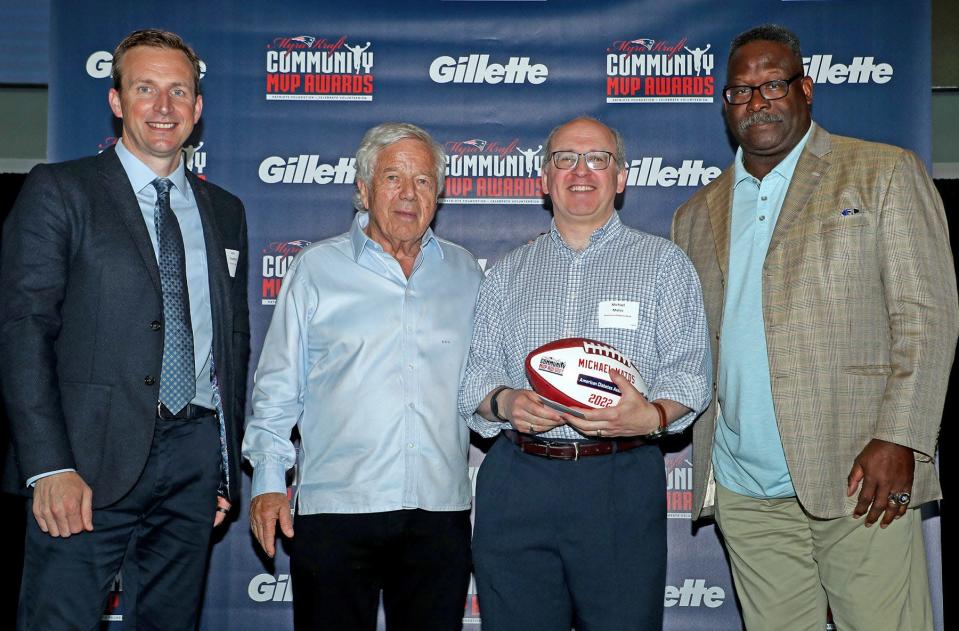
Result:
x=419 y=559
x=159 y=533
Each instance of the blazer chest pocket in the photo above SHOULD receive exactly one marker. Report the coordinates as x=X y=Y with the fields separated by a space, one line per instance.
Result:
x=851 y=221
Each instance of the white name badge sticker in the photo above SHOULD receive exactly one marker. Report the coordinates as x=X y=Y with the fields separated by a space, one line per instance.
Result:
x=618 y=314
x=232 y=256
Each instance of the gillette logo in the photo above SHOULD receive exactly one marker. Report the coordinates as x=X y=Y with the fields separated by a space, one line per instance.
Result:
x=861 y=70
x=476 y=68
x=694 y=593
x=306 y=169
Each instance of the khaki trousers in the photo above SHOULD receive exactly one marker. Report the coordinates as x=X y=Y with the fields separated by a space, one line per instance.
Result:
x=788 y=566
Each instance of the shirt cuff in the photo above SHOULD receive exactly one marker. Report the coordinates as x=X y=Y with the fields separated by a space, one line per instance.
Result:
x=33 y=480
x=268 y=477
x=485 y=428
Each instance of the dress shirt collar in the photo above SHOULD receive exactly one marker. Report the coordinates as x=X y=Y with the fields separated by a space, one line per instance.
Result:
x=604 y=232
x=361 y=241
x=142 y=176
x=784 y=169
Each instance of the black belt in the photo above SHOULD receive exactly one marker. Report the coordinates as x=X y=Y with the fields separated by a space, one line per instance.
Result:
x=571 y=450
x=188 y=413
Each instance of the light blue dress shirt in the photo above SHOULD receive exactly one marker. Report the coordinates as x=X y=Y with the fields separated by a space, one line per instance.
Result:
x=366 y=363
x=748 y=455
x=545 y=291
x=197 y=278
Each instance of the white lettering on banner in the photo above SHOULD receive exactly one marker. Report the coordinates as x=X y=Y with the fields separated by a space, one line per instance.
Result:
x=476 y=68
x=315 y=62
x=862 y=70
x=100 y=64
x=650 y=171
x=276 y=265
x=306 y=169
x=265 y=588
x=694 y=593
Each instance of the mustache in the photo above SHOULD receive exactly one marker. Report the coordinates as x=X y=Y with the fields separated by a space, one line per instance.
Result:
x=758 y=118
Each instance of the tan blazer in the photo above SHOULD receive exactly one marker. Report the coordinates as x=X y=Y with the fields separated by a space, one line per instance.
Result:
x=860 y=311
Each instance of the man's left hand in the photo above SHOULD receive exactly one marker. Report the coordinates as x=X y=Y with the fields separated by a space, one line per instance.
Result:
x=632 y=416
x=883 y=468
x=222 y=508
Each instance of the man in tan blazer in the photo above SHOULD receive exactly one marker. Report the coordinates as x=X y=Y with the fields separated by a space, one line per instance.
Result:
x=831 y=297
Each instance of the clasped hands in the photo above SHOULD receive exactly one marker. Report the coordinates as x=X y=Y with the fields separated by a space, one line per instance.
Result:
x=632 y=416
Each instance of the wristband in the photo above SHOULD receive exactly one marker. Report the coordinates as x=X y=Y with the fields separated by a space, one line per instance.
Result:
x=494 y=407
x=663 y=420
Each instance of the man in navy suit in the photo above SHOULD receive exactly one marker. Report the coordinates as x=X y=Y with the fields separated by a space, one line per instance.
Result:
x=124 y=334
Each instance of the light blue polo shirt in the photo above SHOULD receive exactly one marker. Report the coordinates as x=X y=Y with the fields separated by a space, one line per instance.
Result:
x=748 y=454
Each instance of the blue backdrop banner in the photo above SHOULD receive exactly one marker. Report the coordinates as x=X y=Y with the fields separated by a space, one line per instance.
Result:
x=289 y=89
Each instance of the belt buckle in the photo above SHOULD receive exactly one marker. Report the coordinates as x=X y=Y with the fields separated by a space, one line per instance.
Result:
x=549 y=444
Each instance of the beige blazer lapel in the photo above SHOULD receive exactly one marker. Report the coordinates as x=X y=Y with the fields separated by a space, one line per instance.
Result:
x=810 y=170
x=719 y=202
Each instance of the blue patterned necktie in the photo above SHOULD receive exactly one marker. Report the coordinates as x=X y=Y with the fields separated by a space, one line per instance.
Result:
x=177 y=378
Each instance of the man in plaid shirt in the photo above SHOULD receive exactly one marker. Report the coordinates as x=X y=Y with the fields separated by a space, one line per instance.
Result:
x=570 y=511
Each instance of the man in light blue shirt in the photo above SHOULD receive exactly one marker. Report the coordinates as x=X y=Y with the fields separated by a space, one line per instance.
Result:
x=364 y=356
x=750 y=460
x=828 y=283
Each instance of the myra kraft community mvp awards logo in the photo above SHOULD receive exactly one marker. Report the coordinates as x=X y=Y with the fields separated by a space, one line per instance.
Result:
x=646 y=70
x=308 y=68
x=481 y=171
x=276 y=259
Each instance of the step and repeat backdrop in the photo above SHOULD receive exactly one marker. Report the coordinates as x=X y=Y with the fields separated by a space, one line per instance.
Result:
x=290 y=87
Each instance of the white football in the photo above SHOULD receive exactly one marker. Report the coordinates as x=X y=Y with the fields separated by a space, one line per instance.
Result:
x=574 y=372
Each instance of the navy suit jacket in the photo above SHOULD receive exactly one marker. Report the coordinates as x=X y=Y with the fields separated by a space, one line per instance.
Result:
x=81 y=336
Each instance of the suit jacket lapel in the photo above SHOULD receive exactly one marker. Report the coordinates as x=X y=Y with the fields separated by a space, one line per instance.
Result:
x=215 y=254
x=809 y=173
x=719 y=201
x=124 y=202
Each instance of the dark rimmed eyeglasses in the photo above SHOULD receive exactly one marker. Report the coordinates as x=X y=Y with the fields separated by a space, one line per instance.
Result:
x=771 y=90
x=595 y=160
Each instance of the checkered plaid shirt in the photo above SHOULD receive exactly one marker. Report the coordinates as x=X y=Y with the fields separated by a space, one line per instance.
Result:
x=545 y=291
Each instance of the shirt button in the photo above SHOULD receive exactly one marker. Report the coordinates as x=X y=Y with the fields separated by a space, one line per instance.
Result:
x=410 y=445
x=411 y=405
x=410 y=366
x=155 y=325
x=762 y=217
x=764 y=198
x=149 y=380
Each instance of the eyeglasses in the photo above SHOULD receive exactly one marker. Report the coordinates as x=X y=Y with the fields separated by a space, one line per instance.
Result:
x=595 y=160
x=771 y=90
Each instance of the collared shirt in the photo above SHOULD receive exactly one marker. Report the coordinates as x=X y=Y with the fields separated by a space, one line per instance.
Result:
x=366 y=363
x=748 y=455
x=545 y=290
x=187 y=214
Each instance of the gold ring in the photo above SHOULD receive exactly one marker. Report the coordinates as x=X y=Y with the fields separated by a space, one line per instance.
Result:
x=531 y=430
x=599 y=433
